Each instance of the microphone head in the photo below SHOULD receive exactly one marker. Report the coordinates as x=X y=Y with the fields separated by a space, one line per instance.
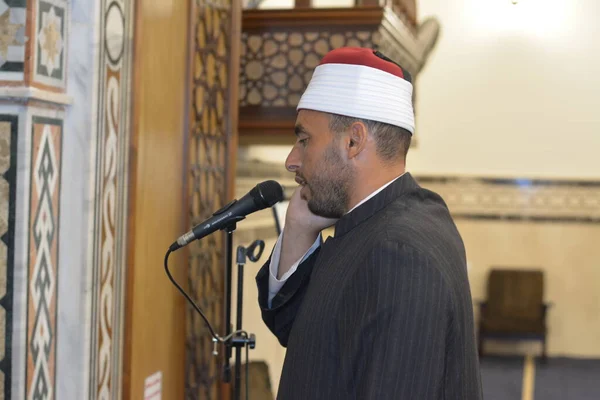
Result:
x=267 y=193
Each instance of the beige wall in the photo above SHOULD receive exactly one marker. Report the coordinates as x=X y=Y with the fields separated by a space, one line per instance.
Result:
x=509 y=91
x=568 y=254
x=570 y=257
x=566 y=250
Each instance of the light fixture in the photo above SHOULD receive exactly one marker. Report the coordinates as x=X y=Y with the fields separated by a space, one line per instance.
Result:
x=515 y=1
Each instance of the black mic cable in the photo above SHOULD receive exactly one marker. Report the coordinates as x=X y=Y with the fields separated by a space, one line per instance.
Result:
x=216 y=337
x=253 y=252
x=263 y=195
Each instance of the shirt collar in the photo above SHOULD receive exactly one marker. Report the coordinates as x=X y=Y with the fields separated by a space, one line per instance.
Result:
x=375 y=193
x=400 y=186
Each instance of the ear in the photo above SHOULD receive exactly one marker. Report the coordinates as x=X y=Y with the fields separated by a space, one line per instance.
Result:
x=357 y=139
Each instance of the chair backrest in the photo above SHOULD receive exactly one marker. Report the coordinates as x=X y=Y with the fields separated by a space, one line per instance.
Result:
x=516 y=293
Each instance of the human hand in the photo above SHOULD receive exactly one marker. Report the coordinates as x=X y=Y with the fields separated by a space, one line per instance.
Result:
x=301 y=220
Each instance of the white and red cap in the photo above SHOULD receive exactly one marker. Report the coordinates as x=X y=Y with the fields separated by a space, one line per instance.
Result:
x=361 y=83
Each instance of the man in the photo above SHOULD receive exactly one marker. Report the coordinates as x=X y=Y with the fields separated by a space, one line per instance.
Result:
x=383 y=309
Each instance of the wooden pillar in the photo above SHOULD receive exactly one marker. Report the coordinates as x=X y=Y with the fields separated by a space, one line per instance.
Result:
x=156 y=310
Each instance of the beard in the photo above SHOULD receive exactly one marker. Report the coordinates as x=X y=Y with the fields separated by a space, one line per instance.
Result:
x=330 y=187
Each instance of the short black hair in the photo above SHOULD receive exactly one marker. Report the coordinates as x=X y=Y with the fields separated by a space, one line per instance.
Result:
x=392 y=141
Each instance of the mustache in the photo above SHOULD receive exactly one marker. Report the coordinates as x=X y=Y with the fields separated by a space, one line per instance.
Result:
x=300 y=179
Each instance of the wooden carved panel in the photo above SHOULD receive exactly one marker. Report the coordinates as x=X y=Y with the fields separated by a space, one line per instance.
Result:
x=281 y=48
x=277 y=66
x=212 y=141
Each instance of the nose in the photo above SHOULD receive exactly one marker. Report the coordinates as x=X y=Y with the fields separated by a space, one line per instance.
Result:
x=293 y=161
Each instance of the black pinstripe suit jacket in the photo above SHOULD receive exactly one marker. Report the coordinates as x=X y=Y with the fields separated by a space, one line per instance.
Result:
x=383 y=309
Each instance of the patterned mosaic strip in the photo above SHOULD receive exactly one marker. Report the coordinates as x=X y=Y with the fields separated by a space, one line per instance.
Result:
x=43 y=257
x=110 y=209
x=519 y=199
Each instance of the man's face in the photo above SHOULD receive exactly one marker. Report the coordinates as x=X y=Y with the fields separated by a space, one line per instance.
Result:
x=319 y=165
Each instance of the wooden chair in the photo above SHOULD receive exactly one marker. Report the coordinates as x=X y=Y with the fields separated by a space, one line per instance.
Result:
x=259 y=385
x=515 y=308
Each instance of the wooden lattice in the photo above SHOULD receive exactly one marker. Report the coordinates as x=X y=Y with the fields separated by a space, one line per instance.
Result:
x=209 y=143
x=277 y=66
x=281 y=48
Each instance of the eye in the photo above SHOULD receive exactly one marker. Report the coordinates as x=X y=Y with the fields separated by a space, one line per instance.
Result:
x=303 y=142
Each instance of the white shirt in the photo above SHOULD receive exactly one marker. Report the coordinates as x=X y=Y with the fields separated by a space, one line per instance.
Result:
x=276 y=284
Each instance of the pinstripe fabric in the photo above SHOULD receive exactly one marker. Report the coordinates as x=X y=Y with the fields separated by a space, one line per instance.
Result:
x=381 y=311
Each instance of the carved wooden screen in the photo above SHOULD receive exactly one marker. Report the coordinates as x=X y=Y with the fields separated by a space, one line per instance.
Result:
x=279 y=64
x=212 y=144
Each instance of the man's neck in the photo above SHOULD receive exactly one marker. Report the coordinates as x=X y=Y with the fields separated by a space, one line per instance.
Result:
x=371 y=187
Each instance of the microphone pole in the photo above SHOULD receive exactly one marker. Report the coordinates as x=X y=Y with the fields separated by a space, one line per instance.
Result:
x=228 y=268
x=238 y=338
x=263 y=195
x=250 y=340
x=238 y=341
x=238 y=324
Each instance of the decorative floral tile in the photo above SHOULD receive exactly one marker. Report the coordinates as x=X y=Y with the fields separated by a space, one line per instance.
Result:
x=51 y=39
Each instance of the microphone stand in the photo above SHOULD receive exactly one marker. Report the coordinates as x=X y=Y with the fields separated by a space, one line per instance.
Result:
x=229 y=248
x=238 y=340
x=264 y=195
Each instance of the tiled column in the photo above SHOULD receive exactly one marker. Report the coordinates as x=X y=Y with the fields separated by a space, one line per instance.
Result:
x=64 y=146
x=33 y=55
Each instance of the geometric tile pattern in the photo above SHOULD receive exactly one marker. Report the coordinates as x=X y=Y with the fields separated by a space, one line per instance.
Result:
x=43 y=257
x=110 y=209
x=8 y=162
x=281 y=49
x=278 y=59
x=50 y=50
x=277 y=66
x=12 y=37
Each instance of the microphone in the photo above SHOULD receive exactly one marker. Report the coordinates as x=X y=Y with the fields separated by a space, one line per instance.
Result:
x=263 y=195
